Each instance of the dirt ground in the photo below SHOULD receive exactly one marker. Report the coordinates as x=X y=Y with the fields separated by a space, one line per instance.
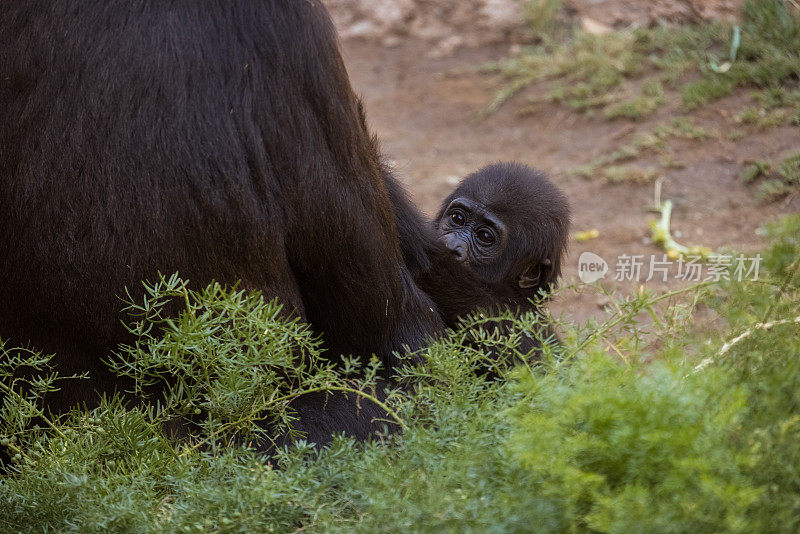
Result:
x=424 y=111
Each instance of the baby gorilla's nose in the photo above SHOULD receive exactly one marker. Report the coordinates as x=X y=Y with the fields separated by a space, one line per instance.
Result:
x=460 y=252
x=456 y=247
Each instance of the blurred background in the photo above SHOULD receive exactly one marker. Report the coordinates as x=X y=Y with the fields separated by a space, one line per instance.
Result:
x=609 y=97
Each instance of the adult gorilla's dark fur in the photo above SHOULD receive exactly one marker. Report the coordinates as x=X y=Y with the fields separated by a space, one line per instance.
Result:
x=218 y=139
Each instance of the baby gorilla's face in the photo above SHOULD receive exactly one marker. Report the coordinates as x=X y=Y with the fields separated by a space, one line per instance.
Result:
x=509 y=223
x=474 y=235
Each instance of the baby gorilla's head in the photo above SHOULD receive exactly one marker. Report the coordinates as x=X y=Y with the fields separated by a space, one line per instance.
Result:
x=510 y=223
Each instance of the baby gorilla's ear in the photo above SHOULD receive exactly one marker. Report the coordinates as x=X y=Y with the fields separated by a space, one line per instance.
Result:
x=533 y=273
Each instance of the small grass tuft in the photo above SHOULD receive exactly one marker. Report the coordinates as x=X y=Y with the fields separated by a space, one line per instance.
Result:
x=773 y=189
x=762 y=118
x=542 y=18
x=627 y=174
x=751 y=172
x=646 y=102
x=781 y=179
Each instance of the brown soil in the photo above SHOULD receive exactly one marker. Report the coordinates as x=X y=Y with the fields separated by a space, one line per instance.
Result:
x=425 y=117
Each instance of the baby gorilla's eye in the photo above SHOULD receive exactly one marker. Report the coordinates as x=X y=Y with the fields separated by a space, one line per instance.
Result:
x=485 y=237
x=457 y=218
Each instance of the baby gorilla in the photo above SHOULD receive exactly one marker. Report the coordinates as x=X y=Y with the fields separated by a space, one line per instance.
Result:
x=509 y=223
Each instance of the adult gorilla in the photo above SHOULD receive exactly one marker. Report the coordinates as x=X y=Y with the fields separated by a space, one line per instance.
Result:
x=219 y=139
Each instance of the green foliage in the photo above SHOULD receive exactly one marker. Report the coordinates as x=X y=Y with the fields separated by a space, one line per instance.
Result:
x=598 y=71
x=754 y=170
x=228 y=355
x=784 y=181
x=682 y=128
x=774 y=22
x=773 y=189
x=626 y=174
x=789 y=169
x=781 y=179
x=584 y=73
x=706 y=90
x=762 y=118
x=768 y=57
x=647 y=421
x=646 y=102
x=616 y=450
x=541 y=16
